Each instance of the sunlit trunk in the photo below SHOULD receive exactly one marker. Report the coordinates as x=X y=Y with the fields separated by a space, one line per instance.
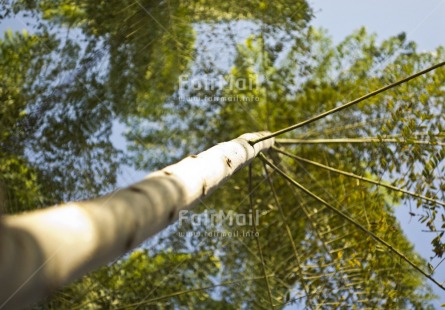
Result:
x=42 y=250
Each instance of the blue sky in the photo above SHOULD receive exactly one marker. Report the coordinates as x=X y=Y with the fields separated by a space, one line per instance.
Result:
x=423 y=21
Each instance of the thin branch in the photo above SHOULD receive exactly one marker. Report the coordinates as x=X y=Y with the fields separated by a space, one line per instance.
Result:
x=314 y=223
x=357 y=140
x=438 y=264
x=266 y=82
x=350 y=220
x=205 y=288
x=358 y=177
x=288 y=231
x=337 y=129
x=257 y=238
x=347 y=105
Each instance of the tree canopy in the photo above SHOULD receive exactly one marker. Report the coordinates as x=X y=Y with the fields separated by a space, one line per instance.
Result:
x=184 y=75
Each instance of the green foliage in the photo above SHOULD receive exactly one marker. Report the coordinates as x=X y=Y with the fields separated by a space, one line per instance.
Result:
x=335 y=264
x=143 y=279
x=51 y=133
x=18 y=177
x=125 y=64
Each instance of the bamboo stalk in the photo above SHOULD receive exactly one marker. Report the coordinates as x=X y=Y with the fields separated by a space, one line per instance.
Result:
x=43 y=250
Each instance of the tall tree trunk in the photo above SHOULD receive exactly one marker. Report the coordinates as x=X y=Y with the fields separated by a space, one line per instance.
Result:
x=41 y=251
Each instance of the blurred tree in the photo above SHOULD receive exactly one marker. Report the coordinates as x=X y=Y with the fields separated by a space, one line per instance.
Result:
x=118 y=65
x=18 y=177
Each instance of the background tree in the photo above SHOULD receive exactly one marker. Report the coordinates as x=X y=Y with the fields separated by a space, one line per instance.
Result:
x=18 y=176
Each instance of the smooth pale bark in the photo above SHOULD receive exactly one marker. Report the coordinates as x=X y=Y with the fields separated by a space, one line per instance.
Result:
x=41 y=251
